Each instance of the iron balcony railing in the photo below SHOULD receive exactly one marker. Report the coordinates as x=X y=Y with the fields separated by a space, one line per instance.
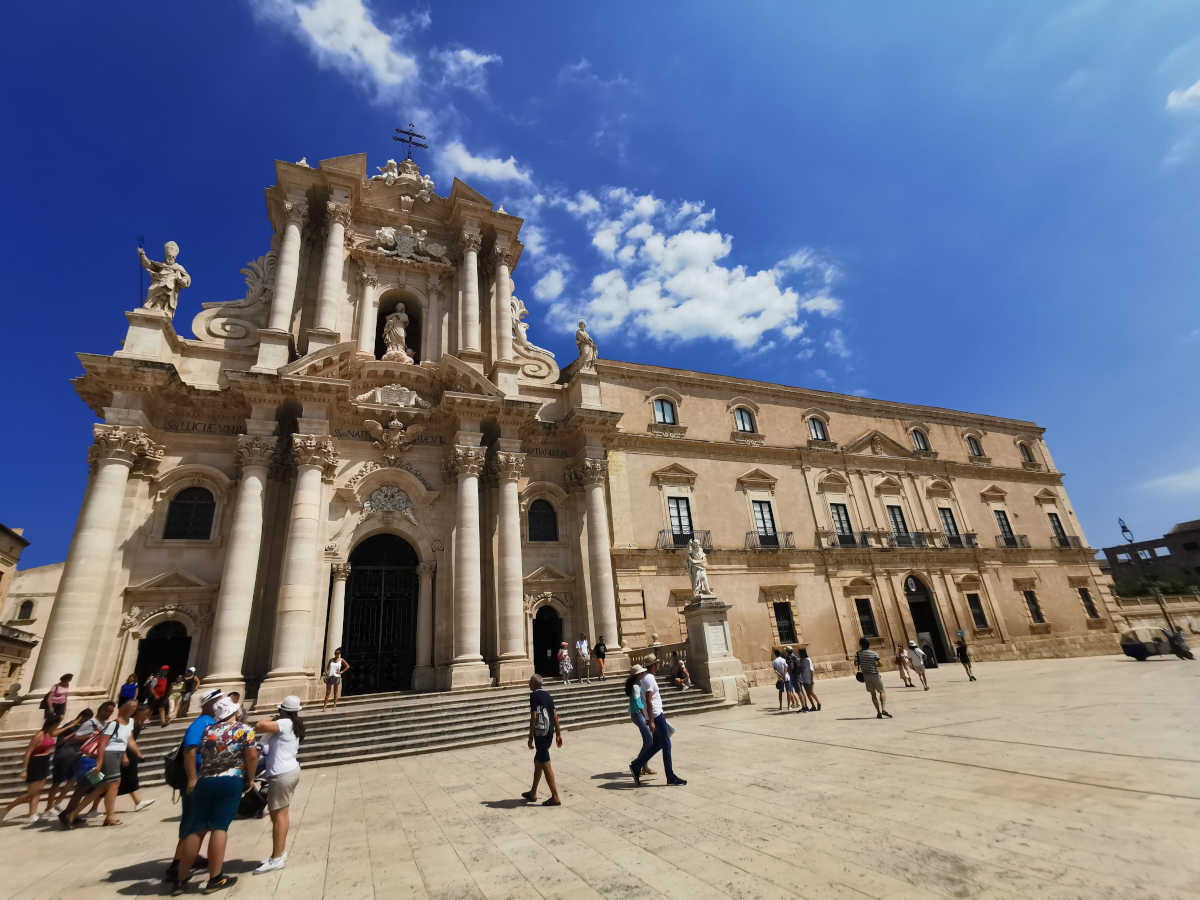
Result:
x=778 y=540
x=837 y=539
x=904 y=539
x=1012 y=541
x=1067 y=541
x=965 y=539
x=676 y=540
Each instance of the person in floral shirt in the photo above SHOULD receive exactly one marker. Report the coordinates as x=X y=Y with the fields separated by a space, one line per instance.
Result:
x=227 y=758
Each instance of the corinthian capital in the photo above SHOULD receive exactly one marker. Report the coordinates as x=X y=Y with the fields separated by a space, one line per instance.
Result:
x=504 y=254
x=124 y=444
x=471 y=240
x=341 y=571
x=296 y=211
x=464 y=460
x=315 y=450
x=590 y=471
x=426 y=568
x=338 y=212
x=509 y=466
x=255 y=451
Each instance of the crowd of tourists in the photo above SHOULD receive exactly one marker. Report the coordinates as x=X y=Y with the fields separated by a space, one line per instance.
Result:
x=911 y=662
x=222 y=767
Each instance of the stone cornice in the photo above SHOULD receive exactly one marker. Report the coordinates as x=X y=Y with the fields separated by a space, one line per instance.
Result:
x=648 y=376
x=853 y=560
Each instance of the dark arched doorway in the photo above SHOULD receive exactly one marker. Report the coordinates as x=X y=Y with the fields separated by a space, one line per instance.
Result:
x=166 y=644
x=380 y=631
x=547 y=637
x=930 y=635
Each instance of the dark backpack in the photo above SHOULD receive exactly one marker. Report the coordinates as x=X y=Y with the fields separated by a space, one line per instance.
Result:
x=543 y=725
x=174 y=774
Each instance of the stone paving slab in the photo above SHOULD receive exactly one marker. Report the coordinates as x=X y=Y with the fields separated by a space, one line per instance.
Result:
x=1046 y=778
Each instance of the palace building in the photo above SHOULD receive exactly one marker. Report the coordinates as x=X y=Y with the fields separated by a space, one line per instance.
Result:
x=367 y=451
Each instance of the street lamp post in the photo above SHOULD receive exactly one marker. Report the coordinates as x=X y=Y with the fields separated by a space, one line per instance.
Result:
x=1149 y=576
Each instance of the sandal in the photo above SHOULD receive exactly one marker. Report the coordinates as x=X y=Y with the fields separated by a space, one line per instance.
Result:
x=107 y=823
x=551 y=802
x=529 y=795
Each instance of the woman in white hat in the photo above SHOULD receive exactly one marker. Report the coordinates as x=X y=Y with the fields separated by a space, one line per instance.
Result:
x=637 y=708
x=286 y=730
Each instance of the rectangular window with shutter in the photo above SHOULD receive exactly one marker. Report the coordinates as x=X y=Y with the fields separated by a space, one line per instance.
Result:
x=841 y=518
x=1035 y=608
x=866 y=617
x=680 y=511
x=1089 y=605
x=977 y=614
x=784 y=623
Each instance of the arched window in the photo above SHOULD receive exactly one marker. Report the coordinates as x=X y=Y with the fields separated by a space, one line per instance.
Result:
x=25 y=613
x=1026 y=453
x=973 y=445
x=743 y=419
x=664 y=412
x=920 y=441
x=190 y=515
x=817 y=430
x=543 y=521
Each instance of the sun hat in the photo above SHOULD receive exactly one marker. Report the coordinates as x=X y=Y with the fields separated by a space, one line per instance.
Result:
x=290 y=703
x=912 y=643
x=651 y=660
x=224 y=708
x=637 y=669
x=210 y=696
x=191 y=668
x=165 y=669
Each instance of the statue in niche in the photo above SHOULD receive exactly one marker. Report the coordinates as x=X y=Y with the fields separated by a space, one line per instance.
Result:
x=697 y=564
x=587 y=348
x=395 y=337
x=167 y=279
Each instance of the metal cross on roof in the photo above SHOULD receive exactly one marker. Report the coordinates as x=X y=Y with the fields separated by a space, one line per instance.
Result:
x=411 y=138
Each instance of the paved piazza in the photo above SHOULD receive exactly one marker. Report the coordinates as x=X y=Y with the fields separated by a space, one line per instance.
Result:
x=1044 y=778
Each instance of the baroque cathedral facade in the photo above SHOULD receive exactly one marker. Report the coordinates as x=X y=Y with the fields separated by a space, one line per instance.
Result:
x=367 y=452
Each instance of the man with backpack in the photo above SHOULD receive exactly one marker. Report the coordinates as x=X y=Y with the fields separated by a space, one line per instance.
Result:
x=178 y=774
x=543 y=728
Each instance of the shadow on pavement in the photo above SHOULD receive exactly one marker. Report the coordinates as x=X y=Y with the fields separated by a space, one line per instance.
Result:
x=511 y=803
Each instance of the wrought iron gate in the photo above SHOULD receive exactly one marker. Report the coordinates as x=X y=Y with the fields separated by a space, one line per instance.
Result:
x=379 y=635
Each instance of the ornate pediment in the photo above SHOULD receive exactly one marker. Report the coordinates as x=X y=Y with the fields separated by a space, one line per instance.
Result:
x=546 y=575
x=673 y=474
x=992 y=493
x=174 y=580
x=876 y=443
x=1045 y=495
x=757 y=480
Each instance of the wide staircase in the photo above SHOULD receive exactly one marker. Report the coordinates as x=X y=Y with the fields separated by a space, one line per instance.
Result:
x=377 y=726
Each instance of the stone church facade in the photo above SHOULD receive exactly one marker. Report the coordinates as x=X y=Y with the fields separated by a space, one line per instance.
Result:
x=367 y=451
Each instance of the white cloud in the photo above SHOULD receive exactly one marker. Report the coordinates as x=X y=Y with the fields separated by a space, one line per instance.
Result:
x=1188 y=98
x=465 y=68
x=826 y=306
x=836 y=344
x=456 y=158
x=550 y=286
x=581 y=73
x=343 y=35
x=1185 y=482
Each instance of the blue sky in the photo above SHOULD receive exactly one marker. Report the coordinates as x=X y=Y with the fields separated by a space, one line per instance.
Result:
x=988 y=207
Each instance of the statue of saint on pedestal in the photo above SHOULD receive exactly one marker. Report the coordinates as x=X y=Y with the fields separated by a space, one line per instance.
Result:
x=167 y=279
x=395 y=337
x=697 y=564
x=587 y=348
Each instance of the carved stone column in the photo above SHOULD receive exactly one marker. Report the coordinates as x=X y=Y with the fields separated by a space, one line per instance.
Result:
x=431 y=327
x=368 y=312
x=423 y=676
x=590 y=475
x=329 y=290
x=235 y=599
x=504 y=340
x=73 y=618
x=513 y=665
x=339 y=572
x=468 y=667
x=315 y=457
x=274 y=340
x=469 y=276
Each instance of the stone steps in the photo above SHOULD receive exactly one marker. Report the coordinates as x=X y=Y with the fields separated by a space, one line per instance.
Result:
x=382 y=726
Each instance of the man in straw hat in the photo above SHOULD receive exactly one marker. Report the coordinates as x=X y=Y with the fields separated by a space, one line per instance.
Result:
x=660 y=728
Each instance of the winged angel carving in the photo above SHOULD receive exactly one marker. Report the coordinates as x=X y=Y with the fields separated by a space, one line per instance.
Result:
x=393 y=440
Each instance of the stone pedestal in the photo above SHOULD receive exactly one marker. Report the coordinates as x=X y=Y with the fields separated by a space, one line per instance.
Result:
x=320 y=338
x=710 y=658
x=150 y=336
x=274 y=348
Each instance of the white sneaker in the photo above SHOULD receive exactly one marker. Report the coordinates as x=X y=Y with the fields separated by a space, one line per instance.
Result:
x=143 y=805
x=270 y=865
x=34 y=819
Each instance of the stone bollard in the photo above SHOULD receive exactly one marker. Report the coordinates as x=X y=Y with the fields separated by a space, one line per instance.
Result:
x=710 y=656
